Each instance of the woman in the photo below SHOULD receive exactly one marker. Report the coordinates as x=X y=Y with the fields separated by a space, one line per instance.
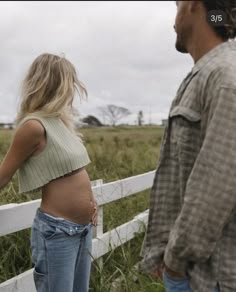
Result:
x=51 y=157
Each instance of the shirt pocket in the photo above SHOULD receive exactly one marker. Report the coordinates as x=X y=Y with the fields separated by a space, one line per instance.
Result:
x=185 y=130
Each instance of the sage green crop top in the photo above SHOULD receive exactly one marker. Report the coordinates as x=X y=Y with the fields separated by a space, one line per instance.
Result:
x=64 y=152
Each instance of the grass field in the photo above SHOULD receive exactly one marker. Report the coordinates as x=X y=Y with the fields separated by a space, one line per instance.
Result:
x=115 y=153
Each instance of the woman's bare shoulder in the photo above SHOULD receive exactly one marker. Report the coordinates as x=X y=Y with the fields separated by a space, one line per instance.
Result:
x=31 y=127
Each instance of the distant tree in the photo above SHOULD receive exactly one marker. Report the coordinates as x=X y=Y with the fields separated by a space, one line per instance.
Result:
x=113 y=113
x=140 y=118
x=92 y=121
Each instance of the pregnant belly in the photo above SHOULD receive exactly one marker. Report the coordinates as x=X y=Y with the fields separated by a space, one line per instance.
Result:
x=69 y=197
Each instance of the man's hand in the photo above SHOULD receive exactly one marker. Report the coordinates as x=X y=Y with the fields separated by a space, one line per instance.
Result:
x=174 y=274
x=158 y=272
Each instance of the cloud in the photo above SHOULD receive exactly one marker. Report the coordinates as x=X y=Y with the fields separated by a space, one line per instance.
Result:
x=123 y=51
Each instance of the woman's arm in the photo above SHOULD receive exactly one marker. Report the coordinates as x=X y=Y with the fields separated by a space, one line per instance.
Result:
x=25 y=142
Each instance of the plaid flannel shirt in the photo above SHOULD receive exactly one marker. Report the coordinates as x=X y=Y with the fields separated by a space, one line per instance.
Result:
x=192 y=218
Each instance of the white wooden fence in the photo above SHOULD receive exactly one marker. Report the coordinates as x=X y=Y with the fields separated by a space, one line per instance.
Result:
x=16 y=217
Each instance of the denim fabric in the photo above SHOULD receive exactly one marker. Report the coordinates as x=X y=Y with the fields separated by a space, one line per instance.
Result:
x=61 y=254
x=178 y=285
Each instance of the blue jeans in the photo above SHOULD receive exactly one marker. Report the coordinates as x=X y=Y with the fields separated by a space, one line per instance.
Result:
x=178 y=285
x=61 y=254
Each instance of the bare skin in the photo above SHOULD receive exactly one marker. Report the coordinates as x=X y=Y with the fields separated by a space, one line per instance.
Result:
x=69 y=196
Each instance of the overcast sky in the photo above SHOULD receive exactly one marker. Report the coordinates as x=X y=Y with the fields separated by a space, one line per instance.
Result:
x=124 y=52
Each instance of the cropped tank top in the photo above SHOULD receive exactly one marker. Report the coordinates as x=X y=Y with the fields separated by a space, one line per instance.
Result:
x=63 y=153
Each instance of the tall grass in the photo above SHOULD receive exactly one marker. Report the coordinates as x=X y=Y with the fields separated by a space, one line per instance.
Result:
x=115 y=153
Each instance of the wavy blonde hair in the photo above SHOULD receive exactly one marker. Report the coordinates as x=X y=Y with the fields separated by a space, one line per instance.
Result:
x=48 y=89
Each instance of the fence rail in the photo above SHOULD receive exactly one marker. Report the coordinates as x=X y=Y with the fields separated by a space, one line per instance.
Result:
x=16 y=217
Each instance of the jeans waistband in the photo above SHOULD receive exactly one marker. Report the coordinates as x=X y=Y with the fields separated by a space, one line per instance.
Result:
x=58 y=221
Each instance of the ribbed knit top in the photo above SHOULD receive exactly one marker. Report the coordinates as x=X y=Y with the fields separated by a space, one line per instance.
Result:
x=64 y=152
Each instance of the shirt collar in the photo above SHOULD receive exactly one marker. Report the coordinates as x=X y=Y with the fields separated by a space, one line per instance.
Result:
x=211 y=54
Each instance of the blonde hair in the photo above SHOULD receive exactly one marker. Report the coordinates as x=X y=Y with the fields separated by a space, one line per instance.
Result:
x=48 y=89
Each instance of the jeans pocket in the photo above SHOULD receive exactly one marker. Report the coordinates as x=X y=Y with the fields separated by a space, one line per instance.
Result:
x=39 y=280
x=49 y=231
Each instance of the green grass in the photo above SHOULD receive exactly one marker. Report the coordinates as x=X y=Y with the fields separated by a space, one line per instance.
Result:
x=116 y=153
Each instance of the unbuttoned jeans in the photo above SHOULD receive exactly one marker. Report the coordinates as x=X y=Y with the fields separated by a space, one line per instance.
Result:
x=61 y=254
x=178 y=285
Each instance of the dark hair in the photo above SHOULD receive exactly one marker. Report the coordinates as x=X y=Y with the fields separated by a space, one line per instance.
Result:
x=228 y=29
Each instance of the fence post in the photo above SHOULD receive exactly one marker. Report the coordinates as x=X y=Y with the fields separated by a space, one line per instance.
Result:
x=98 y=230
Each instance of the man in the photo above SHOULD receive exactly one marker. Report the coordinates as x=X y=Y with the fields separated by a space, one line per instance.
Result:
x=191 y=235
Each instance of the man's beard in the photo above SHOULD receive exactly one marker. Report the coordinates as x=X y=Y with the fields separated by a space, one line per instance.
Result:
x=180 y=46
